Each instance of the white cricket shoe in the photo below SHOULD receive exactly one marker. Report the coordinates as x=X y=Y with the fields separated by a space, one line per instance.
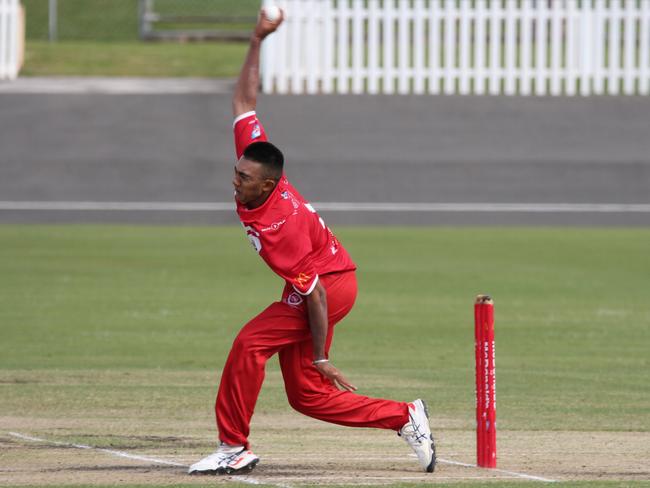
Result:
x=417 y=434
x=226 y=460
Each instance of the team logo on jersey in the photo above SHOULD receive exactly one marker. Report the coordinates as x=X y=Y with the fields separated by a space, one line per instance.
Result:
x=274 y=226
x=302 y=279
x=294 y=299
x=287 y=195
x=257 y=131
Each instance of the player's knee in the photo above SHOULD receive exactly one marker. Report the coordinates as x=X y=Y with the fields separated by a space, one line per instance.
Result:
x=300 y=399
x=245 y=355
x=239 y=346
x=296 y=402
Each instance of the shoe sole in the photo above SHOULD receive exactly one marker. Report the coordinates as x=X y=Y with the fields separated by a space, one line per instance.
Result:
x=243 y=470
x=227 y=471
x=432 y=465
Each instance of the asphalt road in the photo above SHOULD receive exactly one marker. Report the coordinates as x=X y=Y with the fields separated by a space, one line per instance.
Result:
x=529 y=153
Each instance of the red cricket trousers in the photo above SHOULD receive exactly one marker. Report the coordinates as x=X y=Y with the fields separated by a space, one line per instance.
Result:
x=283 y=328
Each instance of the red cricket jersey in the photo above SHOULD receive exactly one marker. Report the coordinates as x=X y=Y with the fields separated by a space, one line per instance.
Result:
x=286 y=231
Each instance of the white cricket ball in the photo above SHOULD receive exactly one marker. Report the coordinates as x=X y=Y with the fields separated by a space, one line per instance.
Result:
x=272 y=13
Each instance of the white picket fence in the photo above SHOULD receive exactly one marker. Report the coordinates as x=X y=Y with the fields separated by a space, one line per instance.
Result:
x=511 y=47
x=10 y=38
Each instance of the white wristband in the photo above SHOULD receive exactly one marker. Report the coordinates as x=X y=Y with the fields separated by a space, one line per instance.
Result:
x=319 y=361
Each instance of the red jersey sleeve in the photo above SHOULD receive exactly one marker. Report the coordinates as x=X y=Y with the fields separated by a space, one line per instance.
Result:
x=247 y=129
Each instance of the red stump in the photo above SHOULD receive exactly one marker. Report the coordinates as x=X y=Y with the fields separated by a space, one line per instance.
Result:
x=486 y=432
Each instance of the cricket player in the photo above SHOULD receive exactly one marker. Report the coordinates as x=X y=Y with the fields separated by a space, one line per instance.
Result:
x=320 y=289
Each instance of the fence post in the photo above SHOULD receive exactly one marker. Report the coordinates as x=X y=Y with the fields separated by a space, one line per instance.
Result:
x=510 y=37
x=450 y=48
x=644 y=54
x=495 y=66
x=419 y=19
x=53 y=20
x=525 y=78
x=629 y=48
x=541 y=38
x=614 y=46
x=464 y=48
x=479 y=47
x=328 y=48
x=145 y=13
x=388 y=22
x=374 y=72
x=4 y=39
x=11 y=38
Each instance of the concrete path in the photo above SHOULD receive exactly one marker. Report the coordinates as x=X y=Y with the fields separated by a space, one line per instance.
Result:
x=169 y=141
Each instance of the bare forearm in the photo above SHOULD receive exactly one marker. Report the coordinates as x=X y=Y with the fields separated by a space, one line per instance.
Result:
x=245 y=97
x=317 y=312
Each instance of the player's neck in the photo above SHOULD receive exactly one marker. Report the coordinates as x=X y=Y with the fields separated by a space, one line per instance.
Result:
x=259 y=201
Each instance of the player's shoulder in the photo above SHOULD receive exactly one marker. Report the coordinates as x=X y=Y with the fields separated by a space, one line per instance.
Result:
x=286 y=216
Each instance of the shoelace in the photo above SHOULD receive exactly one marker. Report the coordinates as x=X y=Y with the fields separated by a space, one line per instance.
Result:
x=416 y=434
x=227 y=458
x=232 y=457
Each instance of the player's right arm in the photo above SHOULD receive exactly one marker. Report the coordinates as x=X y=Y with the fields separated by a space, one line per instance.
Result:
x=316 y=302
x=244 y=98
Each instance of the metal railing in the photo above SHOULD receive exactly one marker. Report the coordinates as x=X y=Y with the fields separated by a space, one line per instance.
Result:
x=205 y=20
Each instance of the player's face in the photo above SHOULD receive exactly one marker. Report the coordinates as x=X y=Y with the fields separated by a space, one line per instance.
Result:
x=251 y=188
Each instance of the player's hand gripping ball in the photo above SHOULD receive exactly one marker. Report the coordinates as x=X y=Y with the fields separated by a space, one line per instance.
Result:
x=272 y=13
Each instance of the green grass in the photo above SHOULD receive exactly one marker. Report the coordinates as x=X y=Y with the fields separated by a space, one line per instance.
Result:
x=127 y=327
x=100 y=38
x=218 y=59
x=125 y=304
x=117 y=20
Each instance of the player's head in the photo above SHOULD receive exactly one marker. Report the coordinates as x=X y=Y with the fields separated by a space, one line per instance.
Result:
x=257 y=173
x=267 y=155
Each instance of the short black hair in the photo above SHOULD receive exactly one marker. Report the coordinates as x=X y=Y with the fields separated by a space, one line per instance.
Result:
x=269 y=156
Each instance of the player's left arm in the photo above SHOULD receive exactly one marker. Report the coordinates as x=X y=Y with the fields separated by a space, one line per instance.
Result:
x=317 y=311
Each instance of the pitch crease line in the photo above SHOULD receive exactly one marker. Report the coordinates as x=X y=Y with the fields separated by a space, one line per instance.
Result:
x=244 y=479
x=335 y=207
x=511 y=473
x=113 y=452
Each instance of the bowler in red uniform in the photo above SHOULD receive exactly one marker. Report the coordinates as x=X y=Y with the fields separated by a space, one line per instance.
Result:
x=320 y=289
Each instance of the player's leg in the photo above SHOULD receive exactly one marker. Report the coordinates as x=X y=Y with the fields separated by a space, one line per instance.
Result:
x=312 y=394
x=241 y=381
x=243 y=373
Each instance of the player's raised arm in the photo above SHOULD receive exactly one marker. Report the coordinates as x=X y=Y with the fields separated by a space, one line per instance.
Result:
x=245 y=97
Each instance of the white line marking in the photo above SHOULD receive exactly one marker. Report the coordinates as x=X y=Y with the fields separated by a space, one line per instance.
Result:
x=482 y=207
x=108 y=451
x=243 y=479
x=248 y=479
x=511 y=473
x=128 y=206
x=424 y=477
x=335 y=207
